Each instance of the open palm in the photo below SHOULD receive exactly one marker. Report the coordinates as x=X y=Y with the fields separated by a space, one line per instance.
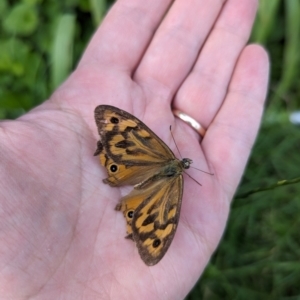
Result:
x=60 y=235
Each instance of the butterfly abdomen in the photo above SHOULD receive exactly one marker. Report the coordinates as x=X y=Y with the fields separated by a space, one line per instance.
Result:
x=171 y=169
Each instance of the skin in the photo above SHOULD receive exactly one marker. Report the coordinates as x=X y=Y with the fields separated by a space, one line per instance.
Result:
x=60 y=235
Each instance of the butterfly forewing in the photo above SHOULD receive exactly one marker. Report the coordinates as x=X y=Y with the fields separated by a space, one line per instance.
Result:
x=127 y=138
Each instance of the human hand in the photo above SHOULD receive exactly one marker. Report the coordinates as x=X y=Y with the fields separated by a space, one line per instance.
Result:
x=60 y=234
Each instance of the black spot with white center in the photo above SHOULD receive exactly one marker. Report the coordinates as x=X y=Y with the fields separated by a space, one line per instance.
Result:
x=114 y=120
x=113 y=168
x=130 y=214
x=156 y=243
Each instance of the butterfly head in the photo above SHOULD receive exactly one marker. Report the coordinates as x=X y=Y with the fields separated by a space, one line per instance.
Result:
x=186 y=162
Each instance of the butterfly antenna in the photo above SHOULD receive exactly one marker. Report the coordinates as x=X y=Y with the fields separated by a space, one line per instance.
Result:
x=175 y=141
x=192 y=178
x=202 y=171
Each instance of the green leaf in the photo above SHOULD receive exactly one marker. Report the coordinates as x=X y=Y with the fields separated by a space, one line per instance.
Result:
x=13 y=56
x=22 y=20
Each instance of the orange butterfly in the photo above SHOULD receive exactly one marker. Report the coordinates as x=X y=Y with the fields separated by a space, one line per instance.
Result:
x=134 y=155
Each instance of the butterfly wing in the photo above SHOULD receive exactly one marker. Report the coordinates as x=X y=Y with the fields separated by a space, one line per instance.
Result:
x=134 y=155
x=129 y=150
x=152 y=216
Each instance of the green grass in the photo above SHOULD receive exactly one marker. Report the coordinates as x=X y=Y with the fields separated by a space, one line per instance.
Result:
x=259 y=256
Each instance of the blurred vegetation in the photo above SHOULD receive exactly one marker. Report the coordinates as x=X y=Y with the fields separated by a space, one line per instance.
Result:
x=259 y=256
x=41 y=42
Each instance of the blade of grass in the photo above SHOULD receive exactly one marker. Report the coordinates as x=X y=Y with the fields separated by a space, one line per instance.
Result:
x=265 y=20
x=62 y=51
x=270 y=187
x=98 y=9
x=291 y=51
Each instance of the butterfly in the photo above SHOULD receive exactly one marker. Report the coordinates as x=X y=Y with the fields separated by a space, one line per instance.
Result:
x=134 y=155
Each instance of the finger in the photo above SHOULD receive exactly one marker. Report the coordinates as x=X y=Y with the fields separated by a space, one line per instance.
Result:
x=203 y=91
x=231 y=135
x=124 y=34
x=175 y=46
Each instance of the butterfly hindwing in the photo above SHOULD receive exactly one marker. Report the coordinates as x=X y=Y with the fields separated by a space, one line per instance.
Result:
x=155 y=220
